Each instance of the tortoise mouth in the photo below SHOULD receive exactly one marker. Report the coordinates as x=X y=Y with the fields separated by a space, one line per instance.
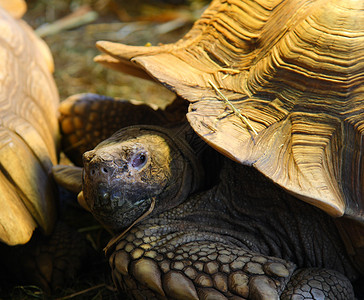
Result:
x=111 y=192
x=116 y=194
x=120 y=212
x=125 y=218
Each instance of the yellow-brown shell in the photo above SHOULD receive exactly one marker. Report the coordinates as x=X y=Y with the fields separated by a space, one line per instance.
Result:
x=295 y=69
x=28 y=132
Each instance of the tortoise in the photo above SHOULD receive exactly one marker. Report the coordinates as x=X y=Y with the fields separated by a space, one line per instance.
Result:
x=29 y=146
x=292 y=72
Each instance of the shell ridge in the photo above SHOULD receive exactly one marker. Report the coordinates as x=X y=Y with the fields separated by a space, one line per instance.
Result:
x=14 y=215
x=32 y=195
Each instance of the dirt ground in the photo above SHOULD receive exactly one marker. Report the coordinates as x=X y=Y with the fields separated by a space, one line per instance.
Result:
x=72 y=42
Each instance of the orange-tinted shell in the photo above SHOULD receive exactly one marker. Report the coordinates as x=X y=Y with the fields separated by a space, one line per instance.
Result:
x=295 y=69
x=28 y=132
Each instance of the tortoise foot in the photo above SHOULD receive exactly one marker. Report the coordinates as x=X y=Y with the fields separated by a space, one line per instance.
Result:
x=158 y=269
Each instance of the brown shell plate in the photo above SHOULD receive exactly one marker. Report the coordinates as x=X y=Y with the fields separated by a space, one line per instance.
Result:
x=294 y=69
x=28 y=132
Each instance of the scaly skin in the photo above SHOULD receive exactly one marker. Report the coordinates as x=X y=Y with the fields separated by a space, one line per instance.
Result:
x=246 y=242
x=242 y=238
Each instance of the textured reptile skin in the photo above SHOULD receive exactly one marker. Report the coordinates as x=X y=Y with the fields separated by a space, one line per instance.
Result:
x=220 y=244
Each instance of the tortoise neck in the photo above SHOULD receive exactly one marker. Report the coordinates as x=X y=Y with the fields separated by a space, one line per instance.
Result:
x=184 y=131
x=190 y=146
x=187 y=173
x=209 y=160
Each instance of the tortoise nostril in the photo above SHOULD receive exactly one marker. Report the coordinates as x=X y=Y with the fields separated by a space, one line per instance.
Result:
x=97 y=169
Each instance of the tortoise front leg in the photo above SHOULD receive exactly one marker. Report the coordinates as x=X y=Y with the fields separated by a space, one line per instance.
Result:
x=316 y=283
x=171 y=267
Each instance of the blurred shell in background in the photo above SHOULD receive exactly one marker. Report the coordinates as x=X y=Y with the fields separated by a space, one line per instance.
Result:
x=28 y=129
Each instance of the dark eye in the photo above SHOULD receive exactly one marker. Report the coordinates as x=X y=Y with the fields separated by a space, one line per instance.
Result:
x=139 y=160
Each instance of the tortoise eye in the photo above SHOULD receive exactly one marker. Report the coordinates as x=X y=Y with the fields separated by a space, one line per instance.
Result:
x=139 y=160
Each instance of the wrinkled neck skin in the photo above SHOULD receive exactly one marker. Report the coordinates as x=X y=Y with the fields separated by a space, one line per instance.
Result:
x=188 y=175
x=183 y=181
x=136 y=166
x=246 y=210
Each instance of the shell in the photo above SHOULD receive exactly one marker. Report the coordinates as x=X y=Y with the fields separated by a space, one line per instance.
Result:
x=28 y=132
x=294 y=69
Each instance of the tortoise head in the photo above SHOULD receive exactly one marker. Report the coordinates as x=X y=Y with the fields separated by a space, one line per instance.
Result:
x=137 y=164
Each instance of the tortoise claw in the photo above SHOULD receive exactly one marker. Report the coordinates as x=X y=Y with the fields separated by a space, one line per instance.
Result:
x=263 y=288
x=179 y=286
x=147 y=271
